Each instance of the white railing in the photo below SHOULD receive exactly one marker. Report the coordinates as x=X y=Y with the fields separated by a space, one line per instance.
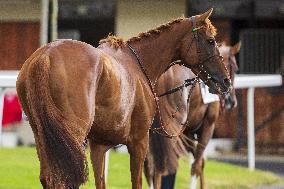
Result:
x=249 y=81
x=7 y=80
x=252 y=81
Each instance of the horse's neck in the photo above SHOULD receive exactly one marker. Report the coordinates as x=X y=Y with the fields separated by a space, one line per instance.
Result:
x=159 y=50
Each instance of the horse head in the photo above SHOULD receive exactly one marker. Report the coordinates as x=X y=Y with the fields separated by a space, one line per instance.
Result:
x=228 y=52
x=205 y=59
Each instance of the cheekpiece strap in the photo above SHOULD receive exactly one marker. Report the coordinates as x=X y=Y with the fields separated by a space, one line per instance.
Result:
x=193 y=19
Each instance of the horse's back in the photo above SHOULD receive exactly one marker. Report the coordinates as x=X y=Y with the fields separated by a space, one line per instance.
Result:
x=74 y=68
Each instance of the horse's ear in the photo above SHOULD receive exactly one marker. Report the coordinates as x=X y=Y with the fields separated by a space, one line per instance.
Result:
x=236 y=48
x=205 y=15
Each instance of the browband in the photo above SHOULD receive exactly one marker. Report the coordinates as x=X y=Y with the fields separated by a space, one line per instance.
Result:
x=194 y=26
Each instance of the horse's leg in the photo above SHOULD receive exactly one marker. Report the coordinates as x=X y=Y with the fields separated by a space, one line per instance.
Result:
x=206 y=134
x=157 y=180
x=138 y=151
x=198 y=164
x=202 y=183
x=98 y=161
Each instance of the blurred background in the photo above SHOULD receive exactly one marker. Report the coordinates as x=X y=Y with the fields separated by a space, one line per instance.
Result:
x=259 y=24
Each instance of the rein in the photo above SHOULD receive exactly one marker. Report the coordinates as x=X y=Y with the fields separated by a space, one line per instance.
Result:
x=156 y=98
x=157 y=130
x=186 y=83
x=161 y=130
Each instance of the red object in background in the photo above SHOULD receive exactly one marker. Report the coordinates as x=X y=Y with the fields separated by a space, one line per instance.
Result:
x=12 y=111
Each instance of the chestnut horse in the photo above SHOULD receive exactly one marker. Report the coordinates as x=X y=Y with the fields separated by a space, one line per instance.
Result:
x=164 y=153
x=72 y=91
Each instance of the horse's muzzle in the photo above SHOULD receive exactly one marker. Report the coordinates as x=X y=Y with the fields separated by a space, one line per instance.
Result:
x=219 y=86
x=230 y=102
x=226 y=85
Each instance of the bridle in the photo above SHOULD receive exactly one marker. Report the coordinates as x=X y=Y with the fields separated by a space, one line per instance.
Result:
x=200 y=65
x=233 y=65
x=233 y=68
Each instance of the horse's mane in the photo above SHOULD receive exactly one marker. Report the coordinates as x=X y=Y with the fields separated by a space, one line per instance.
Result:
x=157 y=30
x=118 y=42
x=114 y=41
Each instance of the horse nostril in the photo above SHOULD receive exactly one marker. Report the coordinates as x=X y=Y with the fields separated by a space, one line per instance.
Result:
x=215 y=78
x=235 y=104
x=227 y=82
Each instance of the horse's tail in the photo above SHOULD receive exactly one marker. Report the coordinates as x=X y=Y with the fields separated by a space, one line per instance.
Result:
x=164 y=152
x=149 y=169
x=165 y=158
x=57 y=144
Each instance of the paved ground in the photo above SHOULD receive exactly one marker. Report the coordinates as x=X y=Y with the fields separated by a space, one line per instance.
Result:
x=270 y=187
x=274 y=164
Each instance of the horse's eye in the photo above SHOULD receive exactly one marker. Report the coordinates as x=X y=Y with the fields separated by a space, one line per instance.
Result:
x=211 y=41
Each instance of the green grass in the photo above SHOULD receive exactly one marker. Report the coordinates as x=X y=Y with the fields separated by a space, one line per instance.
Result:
x=19 y=169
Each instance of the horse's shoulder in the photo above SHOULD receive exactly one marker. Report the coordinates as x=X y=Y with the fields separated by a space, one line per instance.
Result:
x=116 y=58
